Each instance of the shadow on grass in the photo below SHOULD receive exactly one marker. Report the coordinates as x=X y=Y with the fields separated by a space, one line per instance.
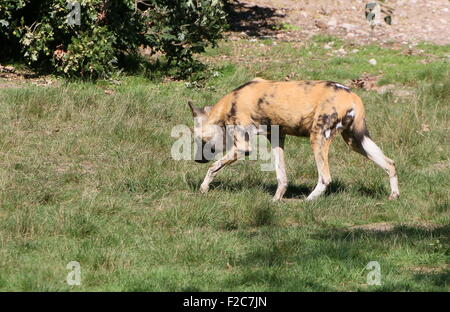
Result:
x=161 y=68
x=253 y=20
x=438 y=279
x=408 y=233
x=275 y=252
x=377 y=192
x=294 y=191
x=386 y=233
x=19 y=75
x=270 y=280
x=347 y=248
x=281 y=264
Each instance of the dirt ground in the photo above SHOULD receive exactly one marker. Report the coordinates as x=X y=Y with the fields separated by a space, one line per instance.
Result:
x=413 y=21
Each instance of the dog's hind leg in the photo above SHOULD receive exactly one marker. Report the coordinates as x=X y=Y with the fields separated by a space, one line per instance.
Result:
x=228 y=159
x=364 y=145
x=278 y=151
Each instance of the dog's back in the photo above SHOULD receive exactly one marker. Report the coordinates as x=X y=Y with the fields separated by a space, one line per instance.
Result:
x=298 y=107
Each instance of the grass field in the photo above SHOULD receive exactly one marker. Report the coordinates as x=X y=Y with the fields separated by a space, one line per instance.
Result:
x=88 y=176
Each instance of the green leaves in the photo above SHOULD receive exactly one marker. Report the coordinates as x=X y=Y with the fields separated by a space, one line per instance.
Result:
x=106 y=32
x=91 y=55
x=183 y=28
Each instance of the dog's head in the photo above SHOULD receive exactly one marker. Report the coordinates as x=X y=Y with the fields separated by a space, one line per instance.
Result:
x=209 y=138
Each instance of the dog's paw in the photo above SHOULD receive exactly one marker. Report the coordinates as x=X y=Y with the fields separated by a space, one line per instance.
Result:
x=394 y=196
x=277 y=199
x=204 y=189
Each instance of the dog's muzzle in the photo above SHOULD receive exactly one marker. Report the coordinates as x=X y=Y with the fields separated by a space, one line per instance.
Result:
x=200 y=156
x=202 y=161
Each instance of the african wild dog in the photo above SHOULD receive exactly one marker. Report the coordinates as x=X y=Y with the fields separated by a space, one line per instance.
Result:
x=315 y=109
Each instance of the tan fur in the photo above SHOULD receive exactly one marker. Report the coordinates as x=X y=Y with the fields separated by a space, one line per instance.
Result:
x=316 y=109
x=294 y=105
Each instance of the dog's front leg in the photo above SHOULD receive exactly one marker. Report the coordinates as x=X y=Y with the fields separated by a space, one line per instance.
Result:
x=280 y=168
x=229 y=158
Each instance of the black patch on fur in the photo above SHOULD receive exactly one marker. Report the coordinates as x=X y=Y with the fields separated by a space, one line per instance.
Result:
x=303 y=127
x=233 y=109
x=262 y=121
x=324 y=123
x=334 y=119
x=347 y=120
x=244 y=85
x=302 y=131
x=359 y=135
x=324 y=119
x=261 y=101
x=231 y=116
x=266 y=121
x=328 y=122
x=334 y=116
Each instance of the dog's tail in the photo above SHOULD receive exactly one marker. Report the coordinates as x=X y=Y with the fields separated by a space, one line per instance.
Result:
x=359 y=128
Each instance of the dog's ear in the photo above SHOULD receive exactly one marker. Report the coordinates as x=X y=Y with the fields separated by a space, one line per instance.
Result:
x=195 y=110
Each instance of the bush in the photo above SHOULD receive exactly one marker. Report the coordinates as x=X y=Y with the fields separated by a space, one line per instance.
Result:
x=9 y=20
x=91 y=55
x=108 y=32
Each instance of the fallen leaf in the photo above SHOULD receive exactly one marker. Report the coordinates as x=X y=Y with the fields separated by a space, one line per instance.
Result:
x=366 y=81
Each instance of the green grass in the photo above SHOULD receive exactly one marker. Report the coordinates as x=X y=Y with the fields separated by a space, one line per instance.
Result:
x=88 y=177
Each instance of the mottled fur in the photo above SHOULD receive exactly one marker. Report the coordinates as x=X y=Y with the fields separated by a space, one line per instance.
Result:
x=315 y=109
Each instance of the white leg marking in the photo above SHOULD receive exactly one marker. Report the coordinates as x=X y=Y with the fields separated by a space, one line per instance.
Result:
x=395 y=192
x=229 y=158
x=374 y=153
x=318 y=190
x=280 y=171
